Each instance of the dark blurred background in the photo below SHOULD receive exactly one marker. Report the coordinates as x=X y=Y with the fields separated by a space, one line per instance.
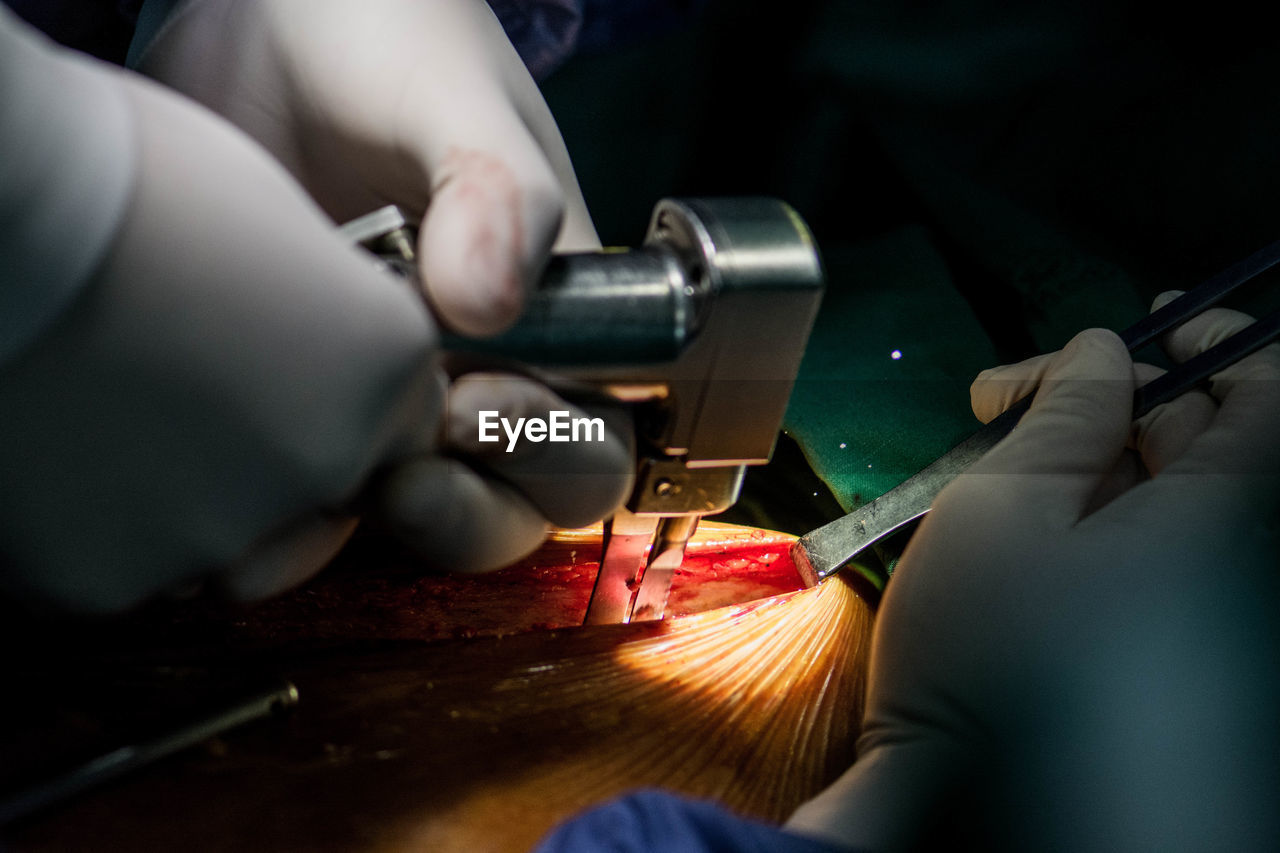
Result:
x=985 y=179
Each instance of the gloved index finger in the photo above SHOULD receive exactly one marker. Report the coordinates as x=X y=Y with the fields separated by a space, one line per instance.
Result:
x=1075 y=431
x=996 y=389
x=575 y=466
x=1242 y=438
x=1242 y=435
x=495 y=204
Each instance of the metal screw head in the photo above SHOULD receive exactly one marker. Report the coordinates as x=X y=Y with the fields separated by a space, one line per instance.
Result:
x=664 y=487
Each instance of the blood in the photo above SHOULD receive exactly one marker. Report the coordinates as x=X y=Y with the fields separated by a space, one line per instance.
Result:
x=379 y=590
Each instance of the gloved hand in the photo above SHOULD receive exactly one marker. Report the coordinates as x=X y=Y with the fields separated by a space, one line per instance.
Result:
x=227 y=383
x=1075 y=653
x=425 y=105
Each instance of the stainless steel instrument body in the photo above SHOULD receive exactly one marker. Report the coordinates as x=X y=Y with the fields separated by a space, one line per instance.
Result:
x=702 y=329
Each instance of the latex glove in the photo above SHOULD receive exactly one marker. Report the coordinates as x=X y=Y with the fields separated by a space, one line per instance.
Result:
x=421 y=104
x=1058 y=666
x=482 y=505
x=225 y=386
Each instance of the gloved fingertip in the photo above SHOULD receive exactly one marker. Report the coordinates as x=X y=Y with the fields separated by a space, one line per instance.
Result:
x=986 y=401
x=469 y=264
x=485 y=240
x=991 y=373
x=997 y=388
x=573 y=479
x=456 y=519
x=1092 y=355
x=1092 y=342
x=1164 y=299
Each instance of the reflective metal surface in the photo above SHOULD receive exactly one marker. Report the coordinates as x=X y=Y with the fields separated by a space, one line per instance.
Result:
x=666 y=555
x=701 y=330
x=627 y=538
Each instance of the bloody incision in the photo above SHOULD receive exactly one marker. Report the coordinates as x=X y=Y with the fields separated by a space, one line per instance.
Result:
x=460 y=713
x=378 y=591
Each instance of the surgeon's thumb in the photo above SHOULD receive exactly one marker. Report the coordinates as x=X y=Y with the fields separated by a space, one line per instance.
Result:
x=488 y=234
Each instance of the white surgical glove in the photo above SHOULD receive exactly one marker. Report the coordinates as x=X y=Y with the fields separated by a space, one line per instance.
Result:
x=1076 y=653
x=215 y=396
x=421 y=104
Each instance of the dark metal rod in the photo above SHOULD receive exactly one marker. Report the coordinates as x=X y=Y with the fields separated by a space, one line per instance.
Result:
x=1206 y=294
x=132 y=756
x=1193 y=371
